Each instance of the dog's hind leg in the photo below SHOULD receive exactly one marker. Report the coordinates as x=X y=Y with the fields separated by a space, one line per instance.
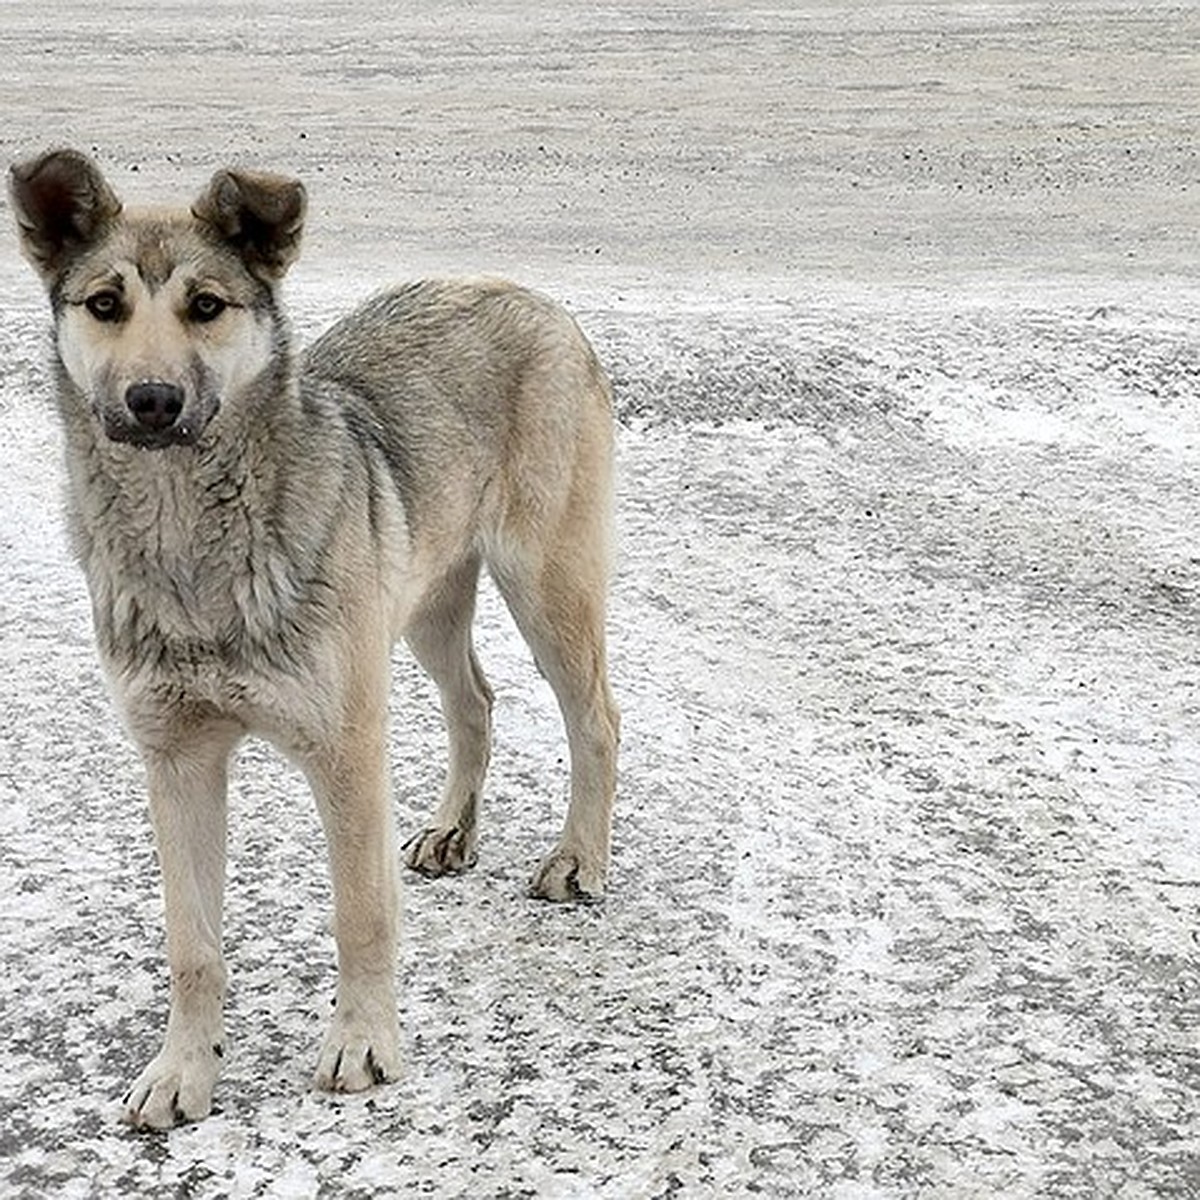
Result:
x=557 y=597
x=440 y=638
x=187 y=788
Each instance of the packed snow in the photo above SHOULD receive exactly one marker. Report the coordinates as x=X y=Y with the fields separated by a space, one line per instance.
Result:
x=904 y=625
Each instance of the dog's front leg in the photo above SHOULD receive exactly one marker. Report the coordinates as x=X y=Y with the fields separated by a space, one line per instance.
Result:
x=187 y=788
x=350 y=782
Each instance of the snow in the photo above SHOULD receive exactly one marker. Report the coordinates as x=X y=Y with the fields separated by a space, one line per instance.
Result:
x=905 y=889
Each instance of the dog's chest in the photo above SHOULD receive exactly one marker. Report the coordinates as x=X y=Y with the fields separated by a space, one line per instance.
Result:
x=204 y=604
x=247 y=653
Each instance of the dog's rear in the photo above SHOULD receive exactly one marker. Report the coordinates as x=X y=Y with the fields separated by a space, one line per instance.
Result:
x=488 y=414
x=255 y=536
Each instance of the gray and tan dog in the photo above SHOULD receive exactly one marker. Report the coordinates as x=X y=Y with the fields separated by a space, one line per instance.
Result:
x=257 y=530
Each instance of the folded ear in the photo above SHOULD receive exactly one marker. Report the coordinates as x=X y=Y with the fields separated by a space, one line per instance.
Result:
x=260 y=215
x=62 y=204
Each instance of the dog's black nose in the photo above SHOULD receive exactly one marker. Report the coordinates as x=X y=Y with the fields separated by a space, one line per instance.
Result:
x=155 y=405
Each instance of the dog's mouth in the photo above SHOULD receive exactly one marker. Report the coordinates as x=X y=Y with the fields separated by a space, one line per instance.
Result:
x=182 y=434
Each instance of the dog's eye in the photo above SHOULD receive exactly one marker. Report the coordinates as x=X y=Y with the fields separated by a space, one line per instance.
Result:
x=206 y=307
x=104 y=306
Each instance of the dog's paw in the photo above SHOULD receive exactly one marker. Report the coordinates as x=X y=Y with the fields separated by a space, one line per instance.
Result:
x=176 y=1087
x=568 y=876
x=358 y=1055
x=440 y=851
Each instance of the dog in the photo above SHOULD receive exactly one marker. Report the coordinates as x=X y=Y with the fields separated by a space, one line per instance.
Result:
x=257 y=527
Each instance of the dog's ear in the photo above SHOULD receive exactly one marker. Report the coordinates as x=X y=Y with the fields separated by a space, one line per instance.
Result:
x=260 y=215
x=62 y=203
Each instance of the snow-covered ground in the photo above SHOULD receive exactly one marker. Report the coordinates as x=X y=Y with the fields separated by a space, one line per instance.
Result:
x=901 y=311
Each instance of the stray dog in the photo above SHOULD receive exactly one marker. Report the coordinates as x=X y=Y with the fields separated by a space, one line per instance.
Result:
x=257 y=529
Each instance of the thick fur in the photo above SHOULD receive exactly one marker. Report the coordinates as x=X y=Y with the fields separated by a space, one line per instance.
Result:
x=256 y=530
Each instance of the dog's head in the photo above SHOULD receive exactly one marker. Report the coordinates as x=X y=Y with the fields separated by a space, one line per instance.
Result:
x=161 y=317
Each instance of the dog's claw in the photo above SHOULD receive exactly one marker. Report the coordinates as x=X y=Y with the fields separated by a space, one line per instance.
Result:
x=377 y=1073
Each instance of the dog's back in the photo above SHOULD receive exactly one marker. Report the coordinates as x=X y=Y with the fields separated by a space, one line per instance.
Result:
x=483 y=406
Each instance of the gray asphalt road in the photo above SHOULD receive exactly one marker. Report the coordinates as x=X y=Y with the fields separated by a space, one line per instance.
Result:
x=899 y=301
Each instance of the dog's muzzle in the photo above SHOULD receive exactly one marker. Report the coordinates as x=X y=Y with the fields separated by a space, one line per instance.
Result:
x=154 y=417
